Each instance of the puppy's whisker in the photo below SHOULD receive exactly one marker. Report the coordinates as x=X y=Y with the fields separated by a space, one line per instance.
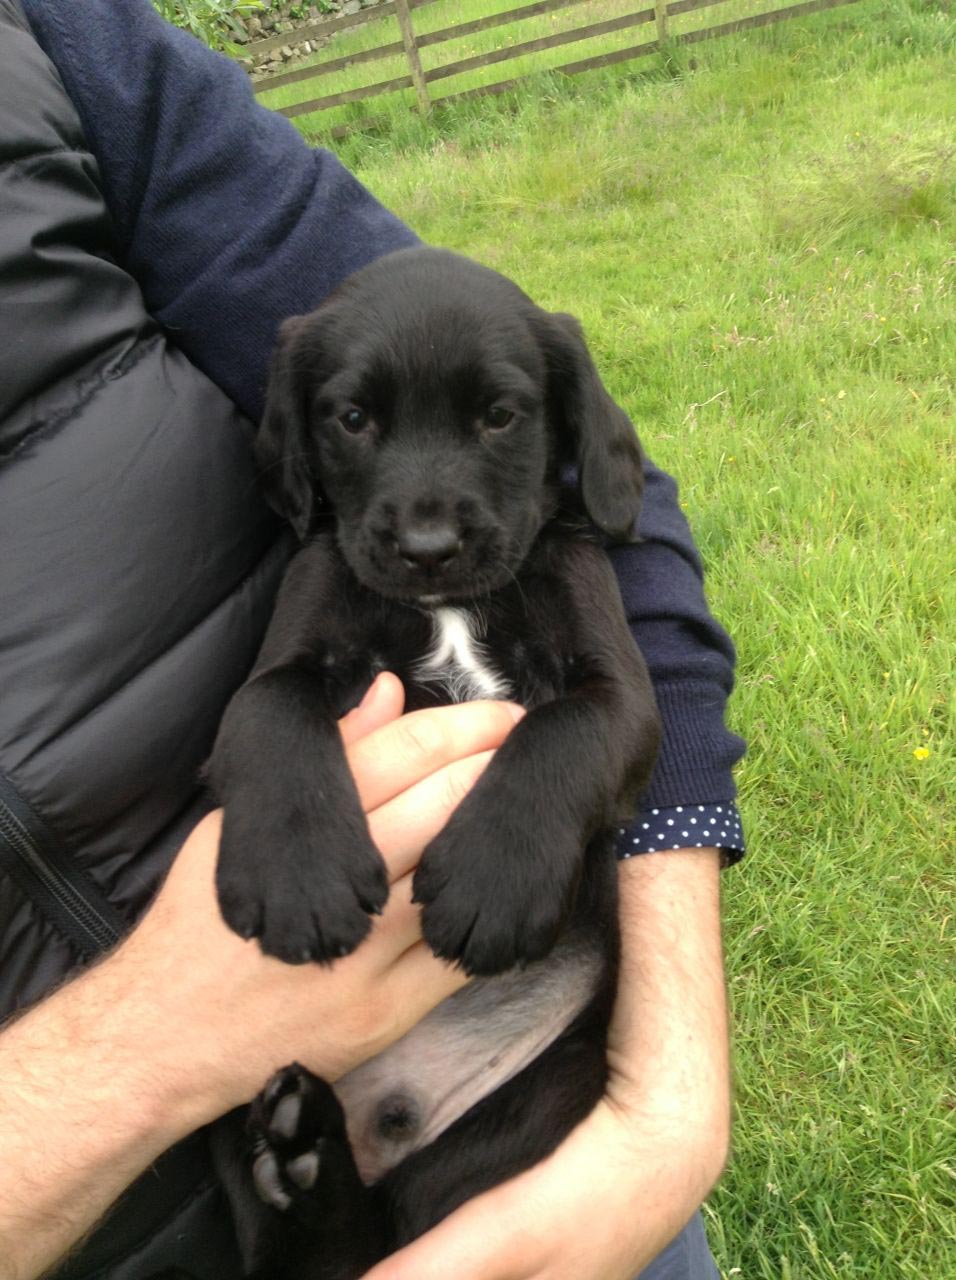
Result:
x=518 y=587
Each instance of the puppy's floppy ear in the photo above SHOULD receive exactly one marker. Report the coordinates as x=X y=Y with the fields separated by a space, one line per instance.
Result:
x=597 y=434
x=281 y=446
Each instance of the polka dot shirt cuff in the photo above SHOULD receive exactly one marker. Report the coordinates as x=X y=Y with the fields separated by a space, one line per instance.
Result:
x=688 y=826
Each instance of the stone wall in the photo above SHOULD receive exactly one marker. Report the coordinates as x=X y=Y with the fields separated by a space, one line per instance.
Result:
x=288 y=19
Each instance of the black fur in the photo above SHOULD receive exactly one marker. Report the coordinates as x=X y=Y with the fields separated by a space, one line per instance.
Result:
x=419 y=432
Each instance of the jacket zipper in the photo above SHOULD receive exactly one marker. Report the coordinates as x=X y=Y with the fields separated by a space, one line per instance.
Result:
x=67 y=896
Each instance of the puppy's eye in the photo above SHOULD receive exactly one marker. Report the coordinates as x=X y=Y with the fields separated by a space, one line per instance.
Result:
x=354 y=420
x=498 y=417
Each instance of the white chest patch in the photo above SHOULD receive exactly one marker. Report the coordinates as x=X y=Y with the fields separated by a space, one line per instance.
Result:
x=457 y=660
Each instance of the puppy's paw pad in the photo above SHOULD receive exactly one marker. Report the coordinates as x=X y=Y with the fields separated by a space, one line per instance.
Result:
x=294 y=1109
x=304 y=1169
x=268 y=1181
x=291 y=1123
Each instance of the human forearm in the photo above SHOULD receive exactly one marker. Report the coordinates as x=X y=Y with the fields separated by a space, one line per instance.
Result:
x=94 y=1092
x=669 y=1046
x=229 y=226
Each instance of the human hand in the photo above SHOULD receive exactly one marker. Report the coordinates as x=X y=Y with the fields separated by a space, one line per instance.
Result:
x=236 y=1015
x=628 y=1178
x=185 y=1020
x=602 y=1207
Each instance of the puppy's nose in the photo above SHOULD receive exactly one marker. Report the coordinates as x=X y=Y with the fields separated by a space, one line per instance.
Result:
x=428 y=546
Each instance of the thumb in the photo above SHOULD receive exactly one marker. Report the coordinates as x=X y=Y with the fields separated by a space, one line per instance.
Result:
x=382 y=703
x=476 y=1242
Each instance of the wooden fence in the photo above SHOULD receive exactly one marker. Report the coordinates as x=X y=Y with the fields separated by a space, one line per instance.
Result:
x=418 y=79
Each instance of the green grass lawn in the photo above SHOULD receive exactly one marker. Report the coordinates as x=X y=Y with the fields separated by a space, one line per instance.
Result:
x=452 y=13
x=763 y=252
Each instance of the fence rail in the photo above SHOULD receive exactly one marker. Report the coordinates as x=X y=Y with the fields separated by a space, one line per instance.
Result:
x=329 y=26
x=419 y=79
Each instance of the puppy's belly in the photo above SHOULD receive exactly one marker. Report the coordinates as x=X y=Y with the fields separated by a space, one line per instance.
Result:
x=462 y=1051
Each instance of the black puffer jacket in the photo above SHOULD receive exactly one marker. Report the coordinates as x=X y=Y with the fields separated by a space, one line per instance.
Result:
x=137 y=563
x=138 y=568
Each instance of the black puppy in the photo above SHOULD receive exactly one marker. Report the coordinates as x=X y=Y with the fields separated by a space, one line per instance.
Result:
x=419 y=433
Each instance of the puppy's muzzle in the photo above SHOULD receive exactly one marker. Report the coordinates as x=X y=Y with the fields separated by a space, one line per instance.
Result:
x=441 y=554
x=428 y=548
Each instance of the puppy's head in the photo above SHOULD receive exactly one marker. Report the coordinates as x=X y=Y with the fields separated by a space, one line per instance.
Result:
x=433 y=407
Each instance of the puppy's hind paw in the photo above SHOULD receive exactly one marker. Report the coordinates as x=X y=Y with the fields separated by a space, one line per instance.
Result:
x=292 y=1123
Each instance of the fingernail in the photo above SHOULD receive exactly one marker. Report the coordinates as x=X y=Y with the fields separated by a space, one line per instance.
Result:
x=372 y=691
x=517 y=712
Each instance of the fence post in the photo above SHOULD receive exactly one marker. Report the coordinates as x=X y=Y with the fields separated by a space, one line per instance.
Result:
x=660 y=13
x=411 y=53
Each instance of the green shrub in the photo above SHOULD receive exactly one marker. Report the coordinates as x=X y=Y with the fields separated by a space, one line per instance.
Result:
x=213 y=21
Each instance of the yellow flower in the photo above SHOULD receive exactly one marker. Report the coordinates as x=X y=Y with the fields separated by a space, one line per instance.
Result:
x=921 y=753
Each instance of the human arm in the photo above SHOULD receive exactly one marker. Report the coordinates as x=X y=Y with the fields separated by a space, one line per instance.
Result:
x=167 y=1032
x=630 y=1176
x=228 y=221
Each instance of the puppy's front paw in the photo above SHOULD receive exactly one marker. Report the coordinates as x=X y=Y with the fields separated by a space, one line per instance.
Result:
x=493 y=900
x=292 y=1124
x=304 y=896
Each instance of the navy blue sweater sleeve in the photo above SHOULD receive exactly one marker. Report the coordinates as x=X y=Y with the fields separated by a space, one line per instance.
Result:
x=690 y=656
x=227 y=220
x=230 y=223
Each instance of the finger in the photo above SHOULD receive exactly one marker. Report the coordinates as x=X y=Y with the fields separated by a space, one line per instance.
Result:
x=400 y=754
x=383 y=702
x=421 y=981
x=399 y=926
x=460 y=1246
x=402 y=827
